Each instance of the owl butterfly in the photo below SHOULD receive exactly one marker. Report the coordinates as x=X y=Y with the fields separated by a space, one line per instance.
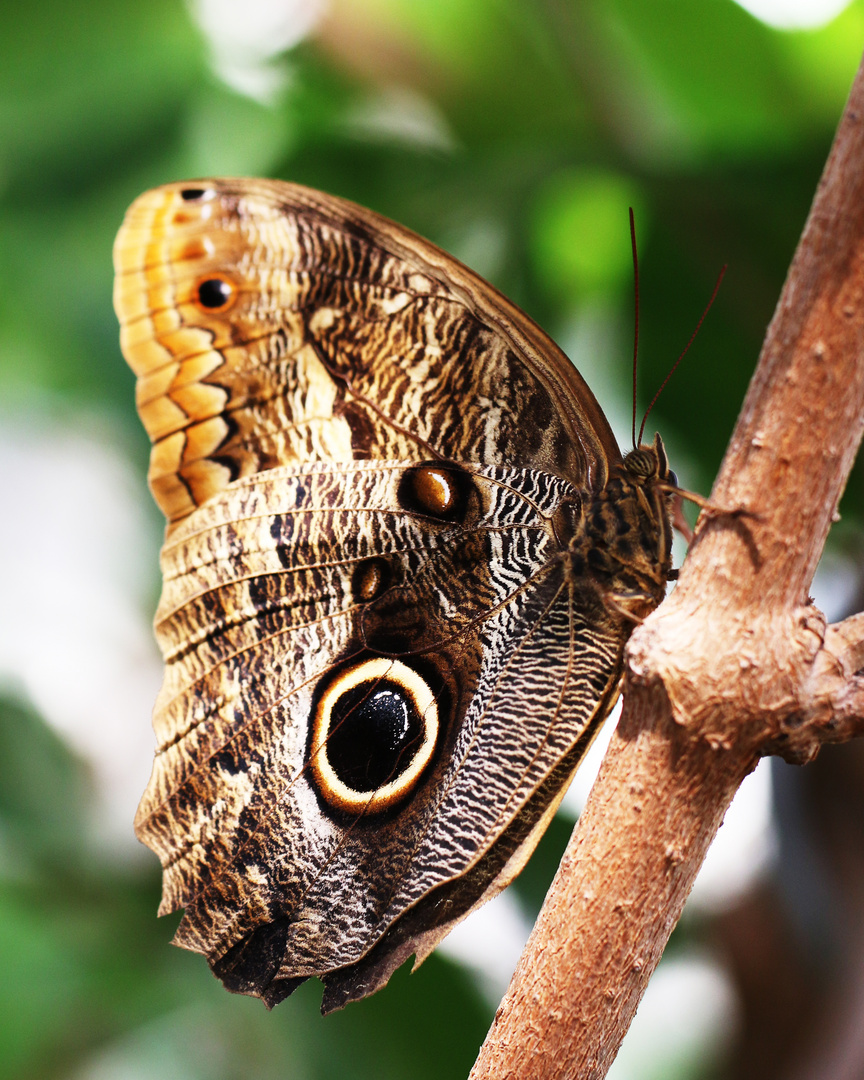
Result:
x=403 y=557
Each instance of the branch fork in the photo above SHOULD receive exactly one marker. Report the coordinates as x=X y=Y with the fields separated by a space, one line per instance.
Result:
x=775 y=688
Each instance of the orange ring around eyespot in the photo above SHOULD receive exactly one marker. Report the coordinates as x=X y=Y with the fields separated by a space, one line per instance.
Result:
x=217 y=278
x=334 y=790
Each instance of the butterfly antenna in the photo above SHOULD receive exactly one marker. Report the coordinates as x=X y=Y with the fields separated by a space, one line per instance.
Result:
x=636 y=316
x=684 y=352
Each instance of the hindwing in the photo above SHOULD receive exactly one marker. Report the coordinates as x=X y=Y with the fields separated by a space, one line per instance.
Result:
x=260 y=608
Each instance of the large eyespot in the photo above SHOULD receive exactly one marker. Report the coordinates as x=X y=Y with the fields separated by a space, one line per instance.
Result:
x=215 y=293
x=374 y=731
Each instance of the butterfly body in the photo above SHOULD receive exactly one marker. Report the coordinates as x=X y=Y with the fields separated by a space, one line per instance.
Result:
x=403 y=557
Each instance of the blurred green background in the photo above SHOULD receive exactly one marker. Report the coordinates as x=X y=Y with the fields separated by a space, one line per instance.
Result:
x=514 y=133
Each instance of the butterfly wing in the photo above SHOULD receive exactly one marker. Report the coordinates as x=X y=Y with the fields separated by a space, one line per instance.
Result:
x=380 y=668
x=341 y=336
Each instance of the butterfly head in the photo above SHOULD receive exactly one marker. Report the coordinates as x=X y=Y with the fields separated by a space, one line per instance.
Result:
x=629 y=529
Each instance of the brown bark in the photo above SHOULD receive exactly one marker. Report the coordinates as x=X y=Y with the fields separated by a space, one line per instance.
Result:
x=735 y=664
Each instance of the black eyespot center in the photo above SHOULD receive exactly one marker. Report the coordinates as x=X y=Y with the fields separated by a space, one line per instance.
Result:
x=196 y=194
x=375 y=733
x=215 y=293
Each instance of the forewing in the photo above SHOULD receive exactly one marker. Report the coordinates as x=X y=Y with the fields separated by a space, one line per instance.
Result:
x=343 y=336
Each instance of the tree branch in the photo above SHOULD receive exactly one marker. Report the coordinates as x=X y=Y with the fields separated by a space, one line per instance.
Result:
x=737 y=663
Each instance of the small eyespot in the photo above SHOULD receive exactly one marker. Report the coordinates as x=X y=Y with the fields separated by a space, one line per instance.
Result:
x=195 y=194
x=369 y=580
x=438 y=491
x=215 y=293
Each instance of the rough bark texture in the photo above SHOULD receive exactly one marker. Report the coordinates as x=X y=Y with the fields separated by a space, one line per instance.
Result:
x=736 y=664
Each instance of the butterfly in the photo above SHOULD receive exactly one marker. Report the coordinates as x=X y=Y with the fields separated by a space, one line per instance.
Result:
x=403 y=556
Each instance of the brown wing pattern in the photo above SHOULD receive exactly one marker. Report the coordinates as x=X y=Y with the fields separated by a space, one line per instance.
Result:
x=396 y=517
x=259 y=606
x=342 y=336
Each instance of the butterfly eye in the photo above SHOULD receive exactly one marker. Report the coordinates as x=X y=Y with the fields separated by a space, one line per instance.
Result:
x=374 y=732
x=641 y=463
x=672 y=478
x=215 y=293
